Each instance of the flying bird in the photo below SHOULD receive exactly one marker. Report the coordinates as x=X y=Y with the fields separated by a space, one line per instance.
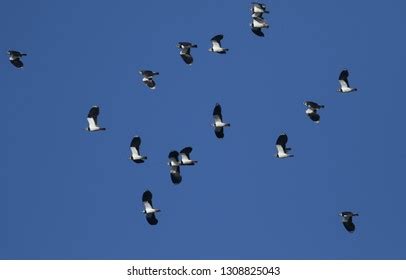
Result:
x=344 y=84
x=92 y=119
x=281 y=146
x=148 y=78
x=185 y=52
x=174 y=164
x=135 y=150
x=185 y=157
x=149 y=210
x=347 y=220
x=15 y=58
x=311 y=111
x=257 y=24
x=216 y=45
x=218 y=122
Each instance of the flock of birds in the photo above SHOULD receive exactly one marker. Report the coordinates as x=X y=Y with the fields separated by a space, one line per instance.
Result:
x=182 y=158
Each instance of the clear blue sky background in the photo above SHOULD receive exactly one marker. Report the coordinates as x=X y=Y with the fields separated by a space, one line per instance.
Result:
x=69 y=194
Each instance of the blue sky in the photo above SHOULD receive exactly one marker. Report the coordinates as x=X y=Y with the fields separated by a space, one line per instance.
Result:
x=69 y=194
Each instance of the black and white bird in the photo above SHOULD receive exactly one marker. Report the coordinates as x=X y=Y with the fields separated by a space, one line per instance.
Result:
x=218 y=122
x=257 y=24
x=347 y=220
x=174 y=165
x=257 y=9
x=148 y=78
x=149 y=210
x=185 y=52
x=311 y=111
x=281 y=146
x=344 y=84
x=185 y=157
x=15 y=58
x=216 y=45
x=135 y=150
x=92 y=119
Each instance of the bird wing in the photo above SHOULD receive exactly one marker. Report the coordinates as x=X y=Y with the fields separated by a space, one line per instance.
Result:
x=216 y=41
x=147 y=200
x=173 y=156
x=185 y=153
x=135 y=145
x=313 y=115
x=282 y=140
x=343 y=79
x=92 y=123
x=175 y=175
x=149 y=82
x=186 y=56
x=280 y=149
x=257 y=31
x=217 y=113
x=92 y=116
x=17 y=63
x=151 y=219
x=349 y=226
x=219 y=131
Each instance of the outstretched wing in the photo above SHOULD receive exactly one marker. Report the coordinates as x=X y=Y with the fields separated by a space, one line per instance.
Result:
x=149 y=82
x=219 y=131
x=218 y=117
x=151 y=219
x=349 y=225
x=282 y=140
x=135 y=145
x=175 y=174
x=343 y=78
x=185 y=153
x=216 y=41
x=312 y=113
x=257 y=31
x=186 y=56
x=147 y=200
x=17 y=63
x=92 y=116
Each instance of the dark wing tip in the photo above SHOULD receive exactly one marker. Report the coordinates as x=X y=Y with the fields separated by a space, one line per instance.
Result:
x=136 y=141
x=173 y=154
x=258 y=31
x=176 y=178
x=151 y=219
x=188 y=59
x=186 y=150
x=94 y=112
x=282 y=139
x=147 y=196
x=217 y=38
